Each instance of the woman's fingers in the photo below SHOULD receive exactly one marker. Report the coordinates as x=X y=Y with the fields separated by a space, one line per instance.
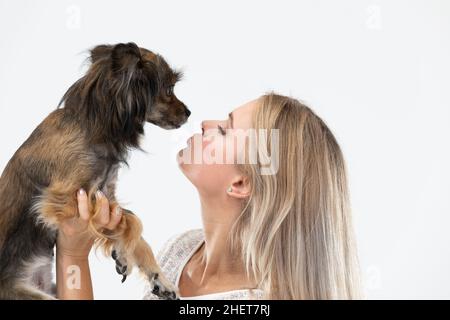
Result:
x=103 y=217
x=83 y=205
x=108 y=217
x=115 y=217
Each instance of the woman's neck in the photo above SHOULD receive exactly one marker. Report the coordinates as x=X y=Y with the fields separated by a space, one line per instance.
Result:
x=215 y=259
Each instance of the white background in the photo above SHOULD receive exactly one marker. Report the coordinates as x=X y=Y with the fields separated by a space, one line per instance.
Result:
x=376 y=71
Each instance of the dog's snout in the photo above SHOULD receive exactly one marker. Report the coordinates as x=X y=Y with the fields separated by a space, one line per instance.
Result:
x=188 y=113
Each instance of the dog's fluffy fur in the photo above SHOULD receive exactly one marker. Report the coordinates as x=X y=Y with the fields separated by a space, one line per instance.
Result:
x=82 y=145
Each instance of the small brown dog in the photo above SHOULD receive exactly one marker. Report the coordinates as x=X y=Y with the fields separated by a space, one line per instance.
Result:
x=82 y=146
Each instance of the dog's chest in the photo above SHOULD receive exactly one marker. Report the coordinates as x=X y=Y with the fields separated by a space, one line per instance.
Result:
x=107 y=167
x=106 y=182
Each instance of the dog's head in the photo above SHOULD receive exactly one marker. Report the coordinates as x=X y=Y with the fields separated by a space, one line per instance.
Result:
x=143 y=78
x=124 y=87
x=167 y=111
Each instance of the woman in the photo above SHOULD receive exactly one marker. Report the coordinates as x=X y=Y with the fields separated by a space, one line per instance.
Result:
x=285 y=234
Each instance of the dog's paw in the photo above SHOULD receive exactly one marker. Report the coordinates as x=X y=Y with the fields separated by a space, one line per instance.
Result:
x=162 y=287
x=122 y=267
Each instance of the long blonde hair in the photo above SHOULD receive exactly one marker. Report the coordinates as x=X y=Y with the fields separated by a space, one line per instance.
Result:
x=295 y=232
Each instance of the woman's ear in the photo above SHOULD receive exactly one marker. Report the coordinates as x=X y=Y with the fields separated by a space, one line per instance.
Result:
x=240 y=188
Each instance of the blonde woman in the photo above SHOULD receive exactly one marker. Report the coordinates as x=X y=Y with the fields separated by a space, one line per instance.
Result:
x=285 y=234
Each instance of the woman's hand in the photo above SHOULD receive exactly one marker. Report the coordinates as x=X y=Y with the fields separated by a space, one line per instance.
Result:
x=73 y=277
x=74 y=238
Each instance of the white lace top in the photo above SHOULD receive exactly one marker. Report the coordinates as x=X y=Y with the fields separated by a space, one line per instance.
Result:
x=174 y=255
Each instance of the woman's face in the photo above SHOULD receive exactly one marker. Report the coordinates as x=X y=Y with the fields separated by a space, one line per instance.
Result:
x=210 y=158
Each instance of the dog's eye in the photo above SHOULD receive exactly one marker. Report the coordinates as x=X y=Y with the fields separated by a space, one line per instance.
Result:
x=221 y=130
x=169 y=91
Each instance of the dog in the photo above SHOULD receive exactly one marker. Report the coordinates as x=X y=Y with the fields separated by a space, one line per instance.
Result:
x=82 y=144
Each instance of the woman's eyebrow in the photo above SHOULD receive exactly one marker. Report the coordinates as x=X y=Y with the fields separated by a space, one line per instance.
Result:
x=230 y=117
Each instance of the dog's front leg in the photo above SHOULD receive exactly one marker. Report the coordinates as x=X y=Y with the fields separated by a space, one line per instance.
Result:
x=129 y=249
x=125 y=243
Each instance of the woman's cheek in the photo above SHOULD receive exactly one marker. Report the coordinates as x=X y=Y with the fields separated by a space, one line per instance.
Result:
x=213 y=173
x=215 y=150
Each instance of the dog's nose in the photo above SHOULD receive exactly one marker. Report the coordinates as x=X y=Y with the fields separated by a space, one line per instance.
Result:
x=188 y=113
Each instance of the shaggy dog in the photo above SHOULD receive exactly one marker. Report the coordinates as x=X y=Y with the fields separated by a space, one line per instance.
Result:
x=82 y=145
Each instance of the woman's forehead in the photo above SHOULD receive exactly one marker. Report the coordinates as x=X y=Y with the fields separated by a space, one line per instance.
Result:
x=242 y=115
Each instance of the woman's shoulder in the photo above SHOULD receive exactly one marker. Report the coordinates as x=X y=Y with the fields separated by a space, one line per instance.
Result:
x=174 y=253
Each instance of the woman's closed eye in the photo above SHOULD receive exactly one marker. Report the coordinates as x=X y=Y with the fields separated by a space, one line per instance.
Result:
x=221 y=130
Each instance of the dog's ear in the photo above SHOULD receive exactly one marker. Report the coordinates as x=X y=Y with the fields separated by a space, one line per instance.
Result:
x=133 y=84
x=125 y=56
x=102 y=51
x=112 y=99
